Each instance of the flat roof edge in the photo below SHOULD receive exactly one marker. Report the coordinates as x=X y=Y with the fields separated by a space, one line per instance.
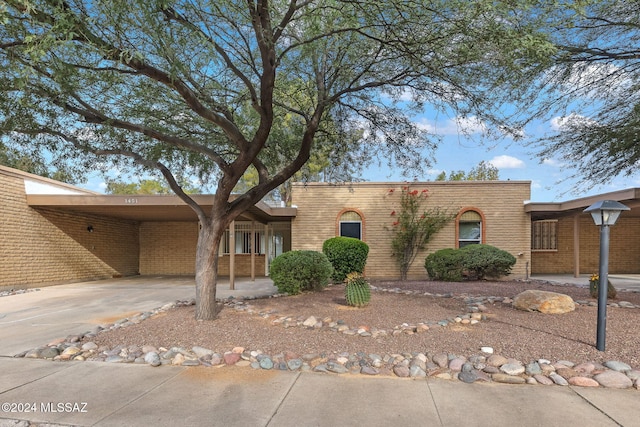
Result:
x=409 y=183
x=17 y=173
x=583 y=202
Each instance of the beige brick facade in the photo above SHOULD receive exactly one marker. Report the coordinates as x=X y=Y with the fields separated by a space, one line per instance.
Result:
x=40 y=247
x=505 y=226
x=168 y=247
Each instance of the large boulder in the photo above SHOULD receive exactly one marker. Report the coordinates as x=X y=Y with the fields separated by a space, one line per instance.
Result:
x=544 y=302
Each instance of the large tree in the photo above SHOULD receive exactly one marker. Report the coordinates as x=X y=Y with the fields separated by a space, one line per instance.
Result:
x=337 y=156
x=166 y=85
x=597 y=73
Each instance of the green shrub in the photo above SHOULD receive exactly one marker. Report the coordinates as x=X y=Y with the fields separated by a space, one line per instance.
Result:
x=346 y=254
x=297 y=271
x=445 y=264
x=481 y=261
x=357 y=291
x=470 y=262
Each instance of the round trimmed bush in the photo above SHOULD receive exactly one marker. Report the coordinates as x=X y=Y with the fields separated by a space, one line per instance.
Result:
x=445 y=264
x=297 y=271
x=482 y=261
x=346 y=255
x=470 y=262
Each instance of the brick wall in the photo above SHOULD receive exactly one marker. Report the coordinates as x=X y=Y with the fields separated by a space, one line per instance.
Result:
x=170 y=248
x=624 y=250
x=506 y=225
x=242 y=264
x=42 y=247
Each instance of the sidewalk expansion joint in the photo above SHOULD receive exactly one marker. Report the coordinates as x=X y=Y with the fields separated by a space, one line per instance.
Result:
x=284 y=398
x=595 y=407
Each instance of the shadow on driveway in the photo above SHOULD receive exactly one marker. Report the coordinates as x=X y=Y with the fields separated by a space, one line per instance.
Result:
x=36 y=318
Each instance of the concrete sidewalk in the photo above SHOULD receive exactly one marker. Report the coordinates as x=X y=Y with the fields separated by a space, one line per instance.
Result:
x=36 y=318
x=102 y=394
x=627 y=282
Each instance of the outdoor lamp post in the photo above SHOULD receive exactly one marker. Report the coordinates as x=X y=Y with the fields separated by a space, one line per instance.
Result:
x=605 y=213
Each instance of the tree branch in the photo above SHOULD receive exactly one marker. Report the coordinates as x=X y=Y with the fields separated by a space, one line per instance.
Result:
x=84 y=35
x=138 y=158
x=171 y=14
x=599 y=54
x=93 y=116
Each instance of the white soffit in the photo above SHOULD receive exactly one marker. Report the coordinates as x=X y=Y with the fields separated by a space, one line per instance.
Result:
x=35 y=187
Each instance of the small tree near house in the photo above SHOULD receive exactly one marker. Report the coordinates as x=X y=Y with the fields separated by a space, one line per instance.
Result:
x=413 y=226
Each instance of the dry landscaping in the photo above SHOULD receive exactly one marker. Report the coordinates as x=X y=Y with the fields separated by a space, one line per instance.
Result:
x=275 y=325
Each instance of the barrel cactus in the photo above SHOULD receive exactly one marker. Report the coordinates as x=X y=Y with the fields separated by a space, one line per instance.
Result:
x=356 y=291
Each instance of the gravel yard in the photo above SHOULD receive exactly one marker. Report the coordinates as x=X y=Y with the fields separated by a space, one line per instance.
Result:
x=525 y=336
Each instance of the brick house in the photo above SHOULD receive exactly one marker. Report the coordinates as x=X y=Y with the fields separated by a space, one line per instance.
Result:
x=51 y=232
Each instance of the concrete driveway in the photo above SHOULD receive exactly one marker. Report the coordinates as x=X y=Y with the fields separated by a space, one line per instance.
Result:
x=36 y=318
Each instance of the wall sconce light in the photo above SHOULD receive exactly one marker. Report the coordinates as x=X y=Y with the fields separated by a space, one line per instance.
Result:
x=90 y=229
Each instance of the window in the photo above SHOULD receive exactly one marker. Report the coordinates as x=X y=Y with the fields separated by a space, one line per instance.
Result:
x=469 y=228
x=544 y=236
x=350 y=225
x=243 y=240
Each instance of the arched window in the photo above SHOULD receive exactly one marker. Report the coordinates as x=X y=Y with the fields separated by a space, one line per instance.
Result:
x=350 y=224
x=470 y=228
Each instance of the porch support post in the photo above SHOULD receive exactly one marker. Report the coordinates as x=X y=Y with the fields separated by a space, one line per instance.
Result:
x=252 y=245
x=232 y=255
x=576 y=245
x=267 y=248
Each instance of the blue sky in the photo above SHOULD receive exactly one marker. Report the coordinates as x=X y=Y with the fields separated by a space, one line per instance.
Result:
x=515 y=160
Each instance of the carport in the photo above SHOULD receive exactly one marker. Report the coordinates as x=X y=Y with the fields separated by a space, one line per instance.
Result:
x=256 y=237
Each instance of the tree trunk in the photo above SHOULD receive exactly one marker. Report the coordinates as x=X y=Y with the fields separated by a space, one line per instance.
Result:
x=209 y=237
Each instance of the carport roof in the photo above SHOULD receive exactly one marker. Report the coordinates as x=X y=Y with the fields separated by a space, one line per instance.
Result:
x=149 y=207
x=629 y=197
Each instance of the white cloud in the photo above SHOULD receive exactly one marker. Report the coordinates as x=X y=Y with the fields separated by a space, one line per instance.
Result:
x=406 y=96
x=553 y=163
x=557 y=123
x=596 y=80
x=561 y=123
x=434 y=172
x=456 y=126
x=426 y=126
x=399 y=95
x=507 y=162
x=470 y=125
